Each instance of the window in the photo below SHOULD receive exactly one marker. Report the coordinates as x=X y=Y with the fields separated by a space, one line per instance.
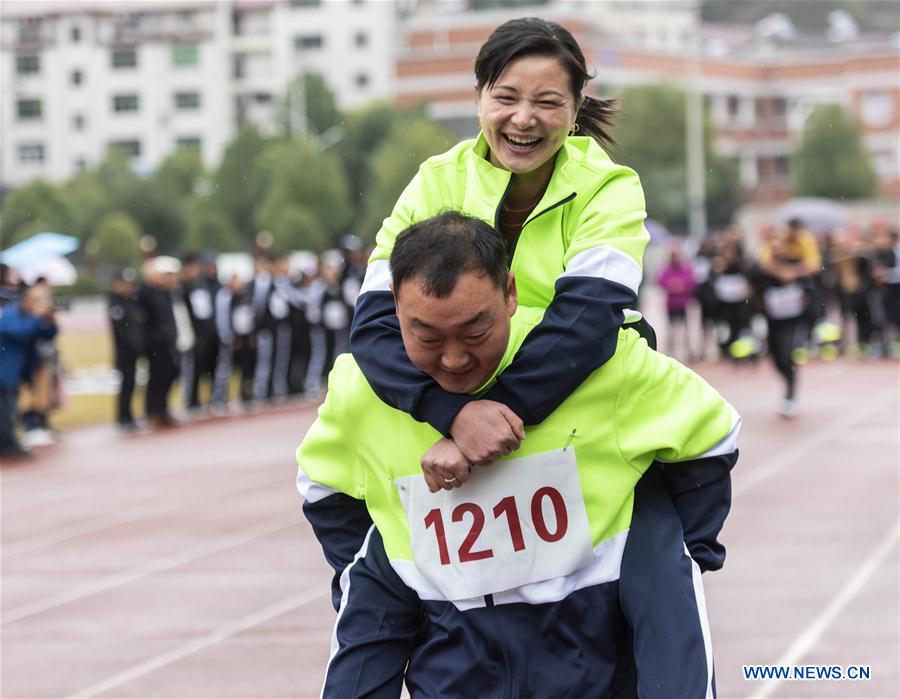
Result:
x=130 y=149
x=187 y=100
x=262 y=97
x=308 y=41
x=361 y=39
x=188 y=143
x=80 y=164
x=361 y=79
x=124 y=57
x=305 y=3
x=28 y=64
x=76 y=77
x=734 y=106
x=782 y=168
x=30 y=29
x=31 y=153
x=779 y=107
x=126 y=103
x=78 y=122
x=185 y=55
x=75 y=34
x=29 y=109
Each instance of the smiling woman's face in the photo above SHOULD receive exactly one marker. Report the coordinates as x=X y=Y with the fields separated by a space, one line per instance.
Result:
x=527 y=113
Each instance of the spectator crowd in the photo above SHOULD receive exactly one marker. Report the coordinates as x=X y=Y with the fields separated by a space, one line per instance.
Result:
x=243 y=340
x=801 y=294
x=231 y=341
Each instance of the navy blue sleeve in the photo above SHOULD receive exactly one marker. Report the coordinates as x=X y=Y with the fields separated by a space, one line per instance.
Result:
x=577 y=335
x=701 y=492
x=340 y=524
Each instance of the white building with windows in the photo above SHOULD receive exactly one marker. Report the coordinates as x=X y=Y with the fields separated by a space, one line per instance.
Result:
x=148 y=77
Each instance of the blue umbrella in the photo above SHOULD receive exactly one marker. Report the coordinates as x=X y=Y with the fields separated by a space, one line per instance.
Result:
x=37 y=248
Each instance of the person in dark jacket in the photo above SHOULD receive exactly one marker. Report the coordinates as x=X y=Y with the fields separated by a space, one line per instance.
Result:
x=127 y=321
x=155 y=299
x=21 y=324
x=199 y=300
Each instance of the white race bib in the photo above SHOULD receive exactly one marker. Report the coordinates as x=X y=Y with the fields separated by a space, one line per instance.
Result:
x=516 y=522
x=731 y=288
x=201 y=304
x=784 y=301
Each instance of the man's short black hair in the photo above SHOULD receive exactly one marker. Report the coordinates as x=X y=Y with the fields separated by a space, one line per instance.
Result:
x=438 y=250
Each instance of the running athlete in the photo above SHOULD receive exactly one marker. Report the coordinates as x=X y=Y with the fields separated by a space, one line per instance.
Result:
x=572 y=222
x=508 y=586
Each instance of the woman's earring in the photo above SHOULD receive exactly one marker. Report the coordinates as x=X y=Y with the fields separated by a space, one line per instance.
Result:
x=574 y=130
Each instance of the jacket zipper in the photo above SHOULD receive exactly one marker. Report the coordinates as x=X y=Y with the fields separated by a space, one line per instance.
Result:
x=508 y=674
x=515 y=244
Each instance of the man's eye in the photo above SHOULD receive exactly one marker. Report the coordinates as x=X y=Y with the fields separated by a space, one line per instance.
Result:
x=427 y=340
x=478 y=337
x=546 y=104
x=505 y=99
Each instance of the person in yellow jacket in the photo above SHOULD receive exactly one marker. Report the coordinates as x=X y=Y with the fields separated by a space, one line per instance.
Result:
x=508 y=585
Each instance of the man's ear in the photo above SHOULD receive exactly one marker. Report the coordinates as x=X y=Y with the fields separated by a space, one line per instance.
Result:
x=512 y=295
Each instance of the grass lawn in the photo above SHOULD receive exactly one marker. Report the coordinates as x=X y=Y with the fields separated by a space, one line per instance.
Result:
x=85 y=351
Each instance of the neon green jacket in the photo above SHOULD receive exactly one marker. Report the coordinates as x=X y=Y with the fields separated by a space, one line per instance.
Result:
x=578 y=255
x=653 y=408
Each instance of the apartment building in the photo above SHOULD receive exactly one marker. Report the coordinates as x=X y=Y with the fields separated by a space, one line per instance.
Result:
x=149 y=77
x=759 y=93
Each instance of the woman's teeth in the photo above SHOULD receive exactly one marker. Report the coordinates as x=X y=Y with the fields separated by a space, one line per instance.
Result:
x=521 y=143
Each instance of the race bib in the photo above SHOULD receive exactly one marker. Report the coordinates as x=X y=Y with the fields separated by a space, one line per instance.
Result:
x=335 y=316
x=516 y=522
x=784 y=301
x=731 y=288
x=201 y=304
x=278 y=306
x=242 y=319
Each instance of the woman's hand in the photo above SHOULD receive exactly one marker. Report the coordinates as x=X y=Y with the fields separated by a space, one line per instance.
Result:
x=485 y=430
x=445 y=467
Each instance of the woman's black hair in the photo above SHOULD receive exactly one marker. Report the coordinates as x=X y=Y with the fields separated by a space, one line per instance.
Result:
x=530 y=36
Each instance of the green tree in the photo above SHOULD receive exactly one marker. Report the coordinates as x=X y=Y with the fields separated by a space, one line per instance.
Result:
x=364 y=132
x=209 y=229
x=240 y=182
x=309 y=92
x=88 y=202
x=295 y=227
x=302 y=176
x=179 y=174
x=116 y=241
x=35 y=207
x=391 y=167
x=831 y=160
x=650 y=135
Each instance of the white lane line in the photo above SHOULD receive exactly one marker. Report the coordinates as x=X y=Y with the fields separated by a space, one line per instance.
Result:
x=66 y=533
x=811 y=442
x=810 y=636
x=217 y=636
x=157 y=565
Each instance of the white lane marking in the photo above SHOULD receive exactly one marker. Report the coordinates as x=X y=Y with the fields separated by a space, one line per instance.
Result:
x=810 y=636
x=220 y=634
x=157 y=565
x=68 y=532
x=810 y=443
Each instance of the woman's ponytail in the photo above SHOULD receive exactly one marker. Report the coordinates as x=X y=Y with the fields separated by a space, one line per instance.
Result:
x=594 y=117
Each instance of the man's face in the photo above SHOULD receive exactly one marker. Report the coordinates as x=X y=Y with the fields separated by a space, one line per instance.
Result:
x=458 y=340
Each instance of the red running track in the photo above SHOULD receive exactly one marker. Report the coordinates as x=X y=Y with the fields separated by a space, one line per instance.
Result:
x=178 y=565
